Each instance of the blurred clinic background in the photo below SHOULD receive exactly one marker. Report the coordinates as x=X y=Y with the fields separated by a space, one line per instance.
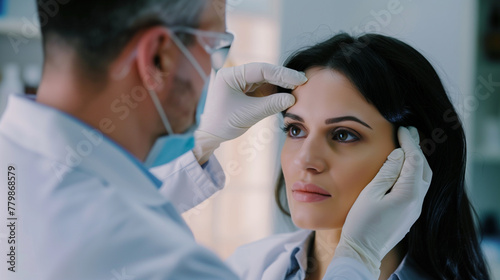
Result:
x=461 y=38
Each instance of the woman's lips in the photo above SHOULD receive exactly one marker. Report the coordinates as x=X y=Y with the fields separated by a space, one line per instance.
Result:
x=305 y=192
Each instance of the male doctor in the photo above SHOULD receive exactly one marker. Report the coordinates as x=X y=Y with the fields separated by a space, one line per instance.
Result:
x=121 y=85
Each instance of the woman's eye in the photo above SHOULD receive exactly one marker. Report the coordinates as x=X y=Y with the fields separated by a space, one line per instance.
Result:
x=293 y=131
x=344 y=136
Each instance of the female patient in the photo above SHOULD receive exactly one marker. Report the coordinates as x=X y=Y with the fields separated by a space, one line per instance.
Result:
x=339 y=133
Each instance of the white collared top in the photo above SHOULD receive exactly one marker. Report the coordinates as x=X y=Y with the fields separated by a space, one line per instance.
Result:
x=285 y=256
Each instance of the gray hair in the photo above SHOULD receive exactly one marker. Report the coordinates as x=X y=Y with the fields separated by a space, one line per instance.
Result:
x=98 y=30
x=169 y=12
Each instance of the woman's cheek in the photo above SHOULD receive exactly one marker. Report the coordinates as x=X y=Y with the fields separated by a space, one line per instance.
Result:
x=356 y=169
x=364 y=163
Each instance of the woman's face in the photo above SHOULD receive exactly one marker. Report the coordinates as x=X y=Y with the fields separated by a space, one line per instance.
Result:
x=336 y=143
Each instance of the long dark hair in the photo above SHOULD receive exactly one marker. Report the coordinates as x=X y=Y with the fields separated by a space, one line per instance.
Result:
x=407 y=91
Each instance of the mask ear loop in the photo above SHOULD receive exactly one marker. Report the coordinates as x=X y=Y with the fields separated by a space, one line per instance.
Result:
x=154 y=97
x=160 y=110
x=198 y=69
x=188 y=55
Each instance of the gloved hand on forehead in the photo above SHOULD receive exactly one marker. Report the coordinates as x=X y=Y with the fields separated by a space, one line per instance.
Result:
x=379 y=219
x=238 y=98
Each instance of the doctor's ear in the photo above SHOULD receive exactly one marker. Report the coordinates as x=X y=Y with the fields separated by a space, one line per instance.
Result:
x=155 y=58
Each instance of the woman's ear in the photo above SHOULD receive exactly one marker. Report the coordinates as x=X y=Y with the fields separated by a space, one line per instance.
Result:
x=155 y=58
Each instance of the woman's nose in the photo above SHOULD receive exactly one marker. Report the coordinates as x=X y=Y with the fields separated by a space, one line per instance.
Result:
x=311 y=156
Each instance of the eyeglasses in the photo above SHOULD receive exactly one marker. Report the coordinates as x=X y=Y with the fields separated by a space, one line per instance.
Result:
x=216 y=44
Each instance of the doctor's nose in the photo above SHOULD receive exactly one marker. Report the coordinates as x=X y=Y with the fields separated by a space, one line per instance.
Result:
x=311 y=156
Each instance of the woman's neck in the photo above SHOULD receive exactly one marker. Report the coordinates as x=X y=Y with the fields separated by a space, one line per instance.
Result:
x=321 y=252
x=323 y=248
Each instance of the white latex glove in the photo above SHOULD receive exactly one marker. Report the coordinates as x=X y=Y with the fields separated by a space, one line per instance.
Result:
x=238 y=98
x=378 y=221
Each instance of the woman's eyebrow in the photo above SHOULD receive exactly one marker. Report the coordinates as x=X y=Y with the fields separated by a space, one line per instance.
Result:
x=293 y=117
x=346 y=118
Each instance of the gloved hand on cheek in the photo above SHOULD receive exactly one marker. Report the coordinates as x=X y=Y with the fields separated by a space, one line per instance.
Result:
x=379 y=219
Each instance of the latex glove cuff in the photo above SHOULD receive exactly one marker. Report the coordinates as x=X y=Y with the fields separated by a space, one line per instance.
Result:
x=349 y=249
x=205 y=145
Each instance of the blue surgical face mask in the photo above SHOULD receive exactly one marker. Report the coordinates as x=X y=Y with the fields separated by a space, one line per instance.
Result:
x=171 y=146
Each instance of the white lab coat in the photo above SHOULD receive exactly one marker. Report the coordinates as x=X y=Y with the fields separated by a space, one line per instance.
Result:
x=86 y=209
